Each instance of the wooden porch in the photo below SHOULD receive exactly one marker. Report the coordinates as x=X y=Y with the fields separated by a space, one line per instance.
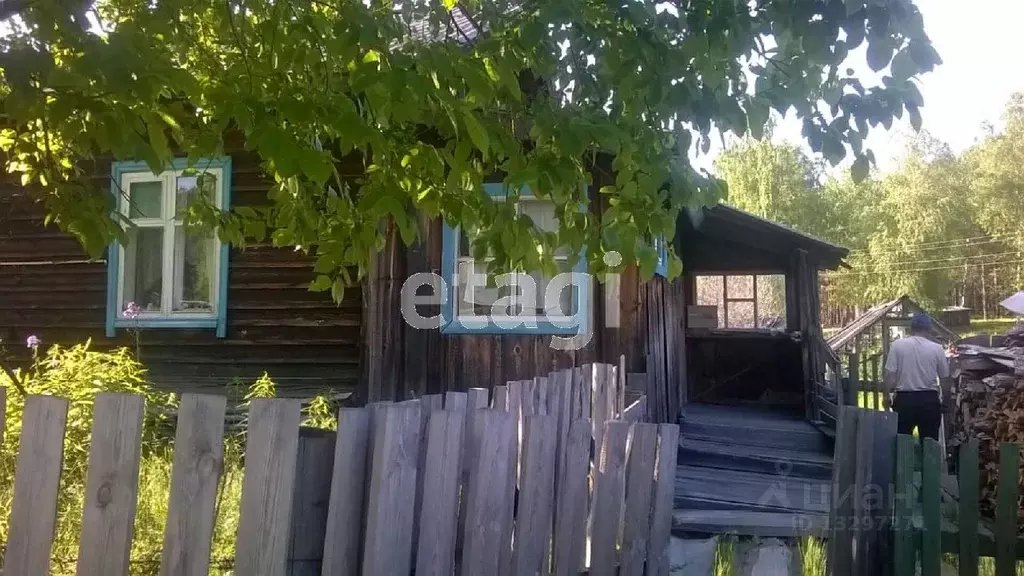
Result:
x=751 y=472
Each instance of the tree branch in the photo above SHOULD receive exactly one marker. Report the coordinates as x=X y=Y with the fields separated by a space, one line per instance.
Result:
x=14 y=378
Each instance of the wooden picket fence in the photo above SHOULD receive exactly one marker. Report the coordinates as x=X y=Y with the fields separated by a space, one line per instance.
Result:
x=467 y=483
x=888 y=513
x=920 y=530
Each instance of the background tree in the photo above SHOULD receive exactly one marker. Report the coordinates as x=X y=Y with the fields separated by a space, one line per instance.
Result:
x=427 y=99
x=774 y=180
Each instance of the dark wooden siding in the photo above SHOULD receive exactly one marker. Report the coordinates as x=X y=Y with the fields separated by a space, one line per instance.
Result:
x=404 y=362
x=304 y=340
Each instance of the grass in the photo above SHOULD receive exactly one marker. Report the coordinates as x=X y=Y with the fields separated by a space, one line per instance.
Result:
x=150 y=516
x=990 y=326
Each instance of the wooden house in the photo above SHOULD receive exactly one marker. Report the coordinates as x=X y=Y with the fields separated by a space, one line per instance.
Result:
x=207 y=314
x=732 y=348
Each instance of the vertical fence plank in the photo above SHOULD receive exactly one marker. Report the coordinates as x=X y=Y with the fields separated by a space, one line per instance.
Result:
x=348 y=484
x=432 y=402
x=311 y=499
x=664 y=492
x=968 y=517
x=389 y=509
x=427 y=408
x=487 y=518
x=1007 y=498
x=573 y=493
x=636 y=523
x=500 y=399
x=476 y=398
x=455 y=401
x=840 y=540
x=111 y=485
x=609 y=484
x=529 y=406
x=536 y=495
x=271 y=449
x=931 y=502
x=36 y=480
x=198 y=463
x=442 y=474
x=904 y=549
x=599 y=400
x=558 y=406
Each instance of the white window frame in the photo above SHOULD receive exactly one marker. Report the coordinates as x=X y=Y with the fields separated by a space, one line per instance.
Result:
x=170 y=224
x=516 y=292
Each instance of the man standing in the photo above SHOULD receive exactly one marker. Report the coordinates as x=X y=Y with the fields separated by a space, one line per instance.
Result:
x=913 y=370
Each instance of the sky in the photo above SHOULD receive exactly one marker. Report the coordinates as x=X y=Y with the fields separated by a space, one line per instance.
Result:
x=979 y=43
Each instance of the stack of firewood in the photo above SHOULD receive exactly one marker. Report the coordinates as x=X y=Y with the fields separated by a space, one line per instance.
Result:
x=989 y=405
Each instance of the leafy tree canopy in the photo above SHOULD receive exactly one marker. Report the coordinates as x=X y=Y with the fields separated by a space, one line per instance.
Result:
x=431 y=108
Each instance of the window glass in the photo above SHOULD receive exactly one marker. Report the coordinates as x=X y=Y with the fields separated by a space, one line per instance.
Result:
x=143 y=269
x=740 y=286
x=745 y=301
x=145 y=199
x=195 y=260
x=542 y=213
x=771 y=301
x=741 y=315
x=476 y=299
x=189 y=188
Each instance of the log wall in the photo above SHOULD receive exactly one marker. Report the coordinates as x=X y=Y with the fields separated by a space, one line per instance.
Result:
x=306 y=342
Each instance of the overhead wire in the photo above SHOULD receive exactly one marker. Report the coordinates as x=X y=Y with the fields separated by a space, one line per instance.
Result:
x=873 y=272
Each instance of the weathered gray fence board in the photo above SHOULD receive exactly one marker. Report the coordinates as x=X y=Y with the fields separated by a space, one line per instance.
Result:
x=111 y=485
x=487 y=517
x=441 y=478
x=195 y=473
x=311 y=500
x=636 y=529
x=271 y=449
x=476 y=398
x=573 y=492
x=843 y=480
x=542 y=386
x=348 y=484
x=609 y=484
x=536 y=495
x=664 y=491
x=389 y=510
x=500 y=398
x=428 y=405
x=455 y=401
x=36 y=480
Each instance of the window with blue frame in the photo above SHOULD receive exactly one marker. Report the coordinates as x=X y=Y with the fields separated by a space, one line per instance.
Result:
x=517 y=303
x=168 y=275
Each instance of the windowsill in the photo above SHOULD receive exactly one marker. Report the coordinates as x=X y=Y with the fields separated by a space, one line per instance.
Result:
x=204 y=322
x=724 y=333
x=539 y=327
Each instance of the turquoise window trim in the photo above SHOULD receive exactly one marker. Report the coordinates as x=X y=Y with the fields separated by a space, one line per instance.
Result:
x=450 y=322
x=220 y=320
x=661 y=246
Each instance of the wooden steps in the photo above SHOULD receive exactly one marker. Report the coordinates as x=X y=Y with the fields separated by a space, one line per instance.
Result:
x=750 y=472
x=710 y=452
x=747 y=523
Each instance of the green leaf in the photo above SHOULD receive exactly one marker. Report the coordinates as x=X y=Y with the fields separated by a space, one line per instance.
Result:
x=879 y=53
x=321 y=283
x=915 y=117
x=859 y=170
x=903 y=66
x=476 y=131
